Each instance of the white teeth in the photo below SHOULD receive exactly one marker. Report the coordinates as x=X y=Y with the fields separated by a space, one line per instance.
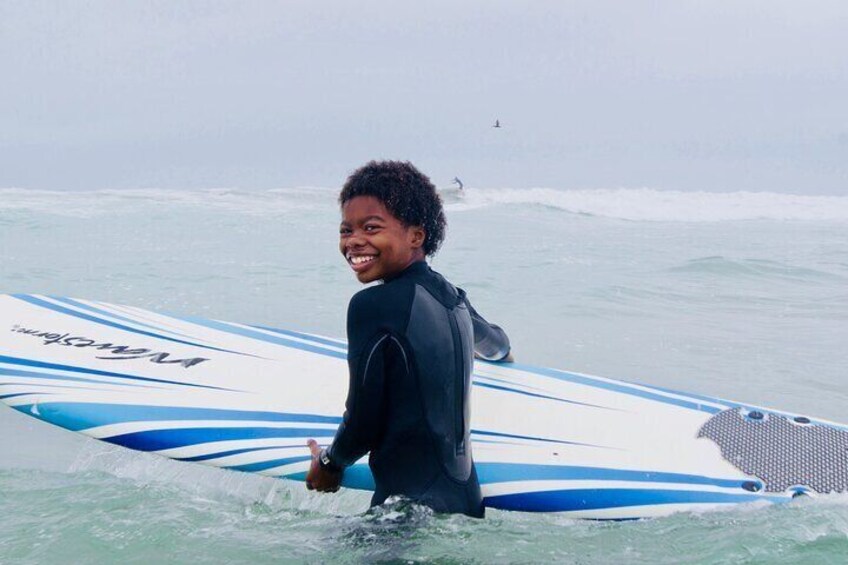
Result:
x=361 y=259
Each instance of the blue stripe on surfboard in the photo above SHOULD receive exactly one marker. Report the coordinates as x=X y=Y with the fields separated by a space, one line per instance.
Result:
x=7 y=396
x=512 y=472
x=57 y=377
x=246 y=332
x=601 y=498
x=505 y=381
x=229 y=452
x=270 y=464
x=107 y=313
x=357 y=477
x=79 y=416
x=72 y=369
x=322 y=340
x=750 y=407
x=621 y=387
x=67 y=311
x=42 y=385
x=157 y=440
x=532 y=438
x=537 y=395
x=694 y=396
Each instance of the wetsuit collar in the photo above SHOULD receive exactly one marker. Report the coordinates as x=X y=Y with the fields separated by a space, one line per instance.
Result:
x=414 y=268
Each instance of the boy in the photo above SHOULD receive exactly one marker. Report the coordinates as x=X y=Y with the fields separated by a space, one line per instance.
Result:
x=412 y=342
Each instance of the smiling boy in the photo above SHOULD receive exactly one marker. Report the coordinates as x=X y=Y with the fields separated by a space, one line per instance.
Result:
x=412 y=342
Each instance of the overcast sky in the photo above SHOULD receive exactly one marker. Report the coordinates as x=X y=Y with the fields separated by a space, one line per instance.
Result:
x=681 y=95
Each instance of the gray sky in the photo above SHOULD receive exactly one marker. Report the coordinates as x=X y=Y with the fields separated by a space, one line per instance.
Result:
x=685 y=95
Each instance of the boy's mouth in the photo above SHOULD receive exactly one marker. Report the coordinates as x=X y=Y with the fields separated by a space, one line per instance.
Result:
x=360 y=262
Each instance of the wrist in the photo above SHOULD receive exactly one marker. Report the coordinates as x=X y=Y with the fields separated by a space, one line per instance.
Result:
x=326 y=462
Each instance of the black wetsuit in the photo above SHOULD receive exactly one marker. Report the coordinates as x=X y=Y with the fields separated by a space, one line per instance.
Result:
x=411 y=351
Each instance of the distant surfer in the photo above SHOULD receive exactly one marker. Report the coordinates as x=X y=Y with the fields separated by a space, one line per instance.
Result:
x=497 y=124
x=458 y=182
x=411 y=344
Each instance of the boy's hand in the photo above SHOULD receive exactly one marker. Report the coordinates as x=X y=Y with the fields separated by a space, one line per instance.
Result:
x=508 y=359
x=319 y=477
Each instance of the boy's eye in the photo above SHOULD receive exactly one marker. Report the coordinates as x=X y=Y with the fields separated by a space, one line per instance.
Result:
x=344 y=231
x=371 y=228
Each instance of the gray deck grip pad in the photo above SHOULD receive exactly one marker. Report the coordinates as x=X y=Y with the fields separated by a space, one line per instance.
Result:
x=780 y=452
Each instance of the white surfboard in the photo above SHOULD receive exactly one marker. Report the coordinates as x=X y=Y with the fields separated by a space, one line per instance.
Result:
x=247 y=398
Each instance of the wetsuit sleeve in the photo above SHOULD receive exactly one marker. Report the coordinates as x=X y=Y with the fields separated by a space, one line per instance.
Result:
x=490 y=341
x=364 y=408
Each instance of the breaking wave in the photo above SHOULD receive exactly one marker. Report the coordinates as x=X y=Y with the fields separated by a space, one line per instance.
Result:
x=634 y=204
x=646 y=204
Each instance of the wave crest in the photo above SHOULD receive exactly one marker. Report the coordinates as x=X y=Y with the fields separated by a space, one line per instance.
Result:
x=639 y=204
x=646 y=204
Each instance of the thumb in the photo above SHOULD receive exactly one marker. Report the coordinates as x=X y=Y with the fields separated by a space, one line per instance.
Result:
x=314 y=448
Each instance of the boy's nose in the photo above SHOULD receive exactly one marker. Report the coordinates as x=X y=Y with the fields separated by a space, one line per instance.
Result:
x=353 y=244
x=355 y=240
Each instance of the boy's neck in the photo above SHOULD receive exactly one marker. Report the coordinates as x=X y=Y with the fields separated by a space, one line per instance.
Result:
x=414 y=265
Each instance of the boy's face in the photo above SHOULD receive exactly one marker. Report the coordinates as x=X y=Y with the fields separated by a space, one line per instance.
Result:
x=375 y=243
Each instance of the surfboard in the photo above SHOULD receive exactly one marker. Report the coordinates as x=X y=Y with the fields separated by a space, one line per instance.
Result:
x=246 y=398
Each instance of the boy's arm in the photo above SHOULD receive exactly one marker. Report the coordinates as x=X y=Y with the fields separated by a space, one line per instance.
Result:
x=363 y=414
x=490 y=342
x=364 y=408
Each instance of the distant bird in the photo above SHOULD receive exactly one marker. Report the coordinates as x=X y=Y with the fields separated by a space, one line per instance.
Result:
x=497 y=124
x=457 y=181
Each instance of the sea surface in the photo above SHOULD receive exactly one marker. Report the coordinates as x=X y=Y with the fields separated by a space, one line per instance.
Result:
x=737 y=295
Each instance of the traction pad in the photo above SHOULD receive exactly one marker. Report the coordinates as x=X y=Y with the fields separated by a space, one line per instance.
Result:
x=780 y=452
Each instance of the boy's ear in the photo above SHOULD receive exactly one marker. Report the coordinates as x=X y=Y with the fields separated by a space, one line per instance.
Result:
x=418 y=236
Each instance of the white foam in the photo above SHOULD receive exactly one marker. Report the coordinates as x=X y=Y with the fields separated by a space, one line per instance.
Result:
x=635 y=204
x=646 y=204
x=99 y=202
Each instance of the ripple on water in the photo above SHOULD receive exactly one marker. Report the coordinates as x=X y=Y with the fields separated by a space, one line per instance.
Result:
x=759 y=268
x=95 y=516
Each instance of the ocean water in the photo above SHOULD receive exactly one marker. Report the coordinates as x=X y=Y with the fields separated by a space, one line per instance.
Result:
x=737 y=295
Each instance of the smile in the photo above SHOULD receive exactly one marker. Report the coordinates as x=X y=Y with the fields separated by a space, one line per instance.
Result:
x=359 y=262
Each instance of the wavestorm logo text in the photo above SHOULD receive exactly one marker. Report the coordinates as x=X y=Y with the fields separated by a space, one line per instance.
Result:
x=116 y=352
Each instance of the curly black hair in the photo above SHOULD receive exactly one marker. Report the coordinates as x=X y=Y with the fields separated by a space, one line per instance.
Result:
x=406 y=192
